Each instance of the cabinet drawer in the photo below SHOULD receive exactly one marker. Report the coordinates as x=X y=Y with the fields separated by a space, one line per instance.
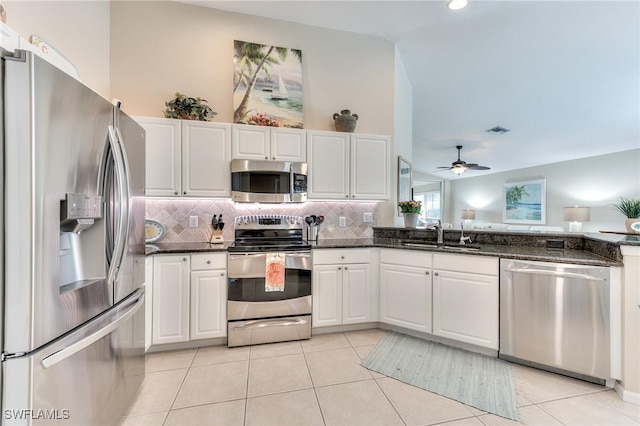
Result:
x=406 y=257
x=205 y=261
x=466 y=263
x=332 y=257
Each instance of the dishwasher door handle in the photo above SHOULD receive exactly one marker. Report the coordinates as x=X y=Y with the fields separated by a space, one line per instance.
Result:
x=562 y=274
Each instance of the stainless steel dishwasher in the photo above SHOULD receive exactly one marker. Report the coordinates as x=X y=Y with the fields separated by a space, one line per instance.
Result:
x=556 y=316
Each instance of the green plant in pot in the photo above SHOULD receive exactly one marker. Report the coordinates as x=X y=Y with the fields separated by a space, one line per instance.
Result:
x=630 y=207
x=188 y=108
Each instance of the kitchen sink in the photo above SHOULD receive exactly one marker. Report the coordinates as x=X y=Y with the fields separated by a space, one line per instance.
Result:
x=439 y=247
x=422 y=245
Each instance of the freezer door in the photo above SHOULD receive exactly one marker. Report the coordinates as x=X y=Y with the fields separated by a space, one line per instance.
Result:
x=55 y=132
x=87 y=378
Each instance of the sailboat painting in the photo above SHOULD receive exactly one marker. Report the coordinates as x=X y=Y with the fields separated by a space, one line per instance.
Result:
x=267 y=85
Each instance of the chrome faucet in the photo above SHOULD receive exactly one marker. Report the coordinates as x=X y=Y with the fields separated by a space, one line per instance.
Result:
x=463 y=239
x=438 y=228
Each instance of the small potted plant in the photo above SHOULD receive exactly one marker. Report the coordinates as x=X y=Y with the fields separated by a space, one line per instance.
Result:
x=188 y=108
x=410 y=209
x=630 y=207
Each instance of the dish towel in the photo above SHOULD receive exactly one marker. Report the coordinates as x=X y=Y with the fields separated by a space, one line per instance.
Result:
x=274 y=274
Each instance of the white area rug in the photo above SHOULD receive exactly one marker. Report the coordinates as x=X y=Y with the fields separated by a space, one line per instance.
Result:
x=478 y=380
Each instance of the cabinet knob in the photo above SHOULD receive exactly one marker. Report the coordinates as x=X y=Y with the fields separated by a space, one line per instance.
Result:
x=184 y=192
x=427 y=272
x=266 y=158
x=184 y=259
x=273 y=158
x=353 y=196
x=341 y=257
x=176 y=193
x=345 y=268
x=436 y=274
x=339 y=268
x=346 y=196
x=208 y=262
x=222 y=274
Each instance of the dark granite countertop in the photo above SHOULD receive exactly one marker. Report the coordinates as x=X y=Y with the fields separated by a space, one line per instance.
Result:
x=582 y=257
x=191 y=247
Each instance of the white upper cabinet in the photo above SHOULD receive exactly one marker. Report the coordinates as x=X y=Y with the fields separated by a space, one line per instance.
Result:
x=268 y=143
x=369 y=167
x=328 y=154
x=162 y=157
x=348 y=166
x=187 y=158
x=206 y=155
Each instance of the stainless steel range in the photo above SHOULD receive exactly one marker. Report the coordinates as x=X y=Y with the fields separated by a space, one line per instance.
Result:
x=269 y=290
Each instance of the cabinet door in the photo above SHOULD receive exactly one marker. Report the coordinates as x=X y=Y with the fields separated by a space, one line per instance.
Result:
x=370 y=167
x=206 y=156
x=327 y=295
x=162 y=156
x=208 y=304
x=465 y=307
x=251 y=142
x=328 y=159
x=170 y=299
x=405 y=297
x=356 y=293
x=288 y=145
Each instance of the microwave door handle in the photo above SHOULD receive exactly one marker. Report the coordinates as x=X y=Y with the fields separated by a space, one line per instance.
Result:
x=292 y=177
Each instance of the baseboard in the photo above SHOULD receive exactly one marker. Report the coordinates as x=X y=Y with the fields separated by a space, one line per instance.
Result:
x=625 y=395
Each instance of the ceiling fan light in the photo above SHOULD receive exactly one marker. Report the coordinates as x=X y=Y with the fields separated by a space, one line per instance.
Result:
x=456 y=4
x=458 y=170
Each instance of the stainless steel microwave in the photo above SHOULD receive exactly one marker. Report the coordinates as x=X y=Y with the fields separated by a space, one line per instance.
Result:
x=254 y=181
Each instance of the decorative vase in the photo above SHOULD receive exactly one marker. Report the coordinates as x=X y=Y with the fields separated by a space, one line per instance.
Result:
x=345 y=121
x=633 y=226
x=410 y=220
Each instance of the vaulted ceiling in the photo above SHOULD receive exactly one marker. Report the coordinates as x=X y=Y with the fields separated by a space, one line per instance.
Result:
x=562 y=76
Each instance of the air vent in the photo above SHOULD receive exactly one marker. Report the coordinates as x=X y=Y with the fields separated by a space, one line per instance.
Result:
x=498 y=129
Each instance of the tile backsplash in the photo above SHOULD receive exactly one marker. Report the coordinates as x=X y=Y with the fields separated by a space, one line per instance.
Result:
x=174 y=215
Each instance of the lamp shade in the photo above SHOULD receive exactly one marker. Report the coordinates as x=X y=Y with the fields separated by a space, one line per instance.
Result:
x=468 y=214
x=577 y=214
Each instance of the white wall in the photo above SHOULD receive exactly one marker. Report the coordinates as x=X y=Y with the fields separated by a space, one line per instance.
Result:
x=159 y=48
x=403 y=136
x=79 y=30
x=595 y=182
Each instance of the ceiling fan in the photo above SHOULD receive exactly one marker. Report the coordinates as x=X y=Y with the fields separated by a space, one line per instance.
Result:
x=459 y=167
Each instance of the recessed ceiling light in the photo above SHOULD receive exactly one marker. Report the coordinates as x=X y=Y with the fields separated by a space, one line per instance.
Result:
x=456 y=4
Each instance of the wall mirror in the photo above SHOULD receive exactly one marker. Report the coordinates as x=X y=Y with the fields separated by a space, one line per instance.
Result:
x=404 y=181
x=430 y=191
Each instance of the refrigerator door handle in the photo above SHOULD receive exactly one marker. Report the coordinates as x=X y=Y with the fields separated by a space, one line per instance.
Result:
x=69 y=351
x=123 y=207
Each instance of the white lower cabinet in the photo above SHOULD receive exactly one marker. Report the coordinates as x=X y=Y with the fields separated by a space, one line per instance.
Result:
x=189 y=297
x=208 y=296
x=343 y=287
x=405 y=289
x=465 y=299
x=148 y=302
x=170 y=299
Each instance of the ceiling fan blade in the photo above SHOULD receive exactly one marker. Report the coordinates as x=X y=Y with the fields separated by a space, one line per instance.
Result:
x=476 y=167
x=443 y=167
x=471 y=165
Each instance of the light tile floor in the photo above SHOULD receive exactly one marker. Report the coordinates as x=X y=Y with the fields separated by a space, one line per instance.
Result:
x=321 y=382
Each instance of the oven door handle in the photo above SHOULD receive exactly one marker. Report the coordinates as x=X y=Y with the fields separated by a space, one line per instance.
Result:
x=243 y=256
x=276 y=322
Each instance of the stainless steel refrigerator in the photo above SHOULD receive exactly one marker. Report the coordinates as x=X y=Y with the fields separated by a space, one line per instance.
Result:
x=72 y=249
